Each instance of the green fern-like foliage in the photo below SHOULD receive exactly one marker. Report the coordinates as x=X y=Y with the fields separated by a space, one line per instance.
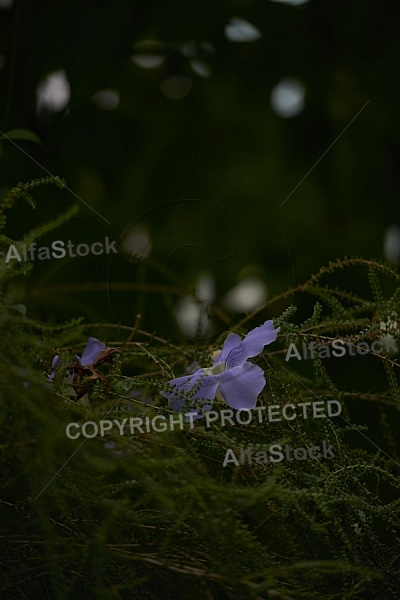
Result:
x=153 y=515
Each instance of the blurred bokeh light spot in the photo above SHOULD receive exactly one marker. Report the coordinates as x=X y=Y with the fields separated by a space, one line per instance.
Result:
x=247 y=295
x=53 y=92
x=192 y=313
x=200 y=67
x=176 y=87
x=391 y=244
x=205 y=287
x=239 y=30
x=287 y=98
x=136 y=243
x=149 y=54
x=6 y=3
x=192 y=317
x=106 y=99
x=148 y=61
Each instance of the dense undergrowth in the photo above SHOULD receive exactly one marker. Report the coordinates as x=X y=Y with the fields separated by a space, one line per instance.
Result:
x=155 y=514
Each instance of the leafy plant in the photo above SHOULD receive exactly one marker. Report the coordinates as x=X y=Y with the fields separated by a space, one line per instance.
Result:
x=154 y=514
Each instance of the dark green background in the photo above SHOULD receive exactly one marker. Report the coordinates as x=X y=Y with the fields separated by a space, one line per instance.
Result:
x=222 y=144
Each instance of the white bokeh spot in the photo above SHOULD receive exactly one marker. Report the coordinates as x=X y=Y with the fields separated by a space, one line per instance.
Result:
x=200 y=67
x=239 y=30
x=205 y=287
x=287 y=98
x=53 y=92
x=148 y=54
x=148 y=61
x=249 y=294
x=192 y=313
x=136 y=242
x=391 y=244
x=192 y=317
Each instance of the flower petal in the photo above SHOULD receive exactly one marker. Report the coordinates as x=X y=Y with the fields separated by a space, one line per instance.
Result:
x=56 y=361
x=93 y=348
x=252 y=345
x=183 y=396
x=232 y=341
x=241 y=385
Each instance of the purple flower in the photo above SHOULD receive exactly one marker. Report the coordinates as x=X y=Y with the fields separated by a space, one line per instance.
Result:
x=91 y=351
x=231 y=378
x=56 y=362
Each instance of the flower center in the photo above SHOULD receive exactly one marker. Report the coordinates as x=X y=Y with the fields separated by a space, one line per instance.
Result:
x=216 y=369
